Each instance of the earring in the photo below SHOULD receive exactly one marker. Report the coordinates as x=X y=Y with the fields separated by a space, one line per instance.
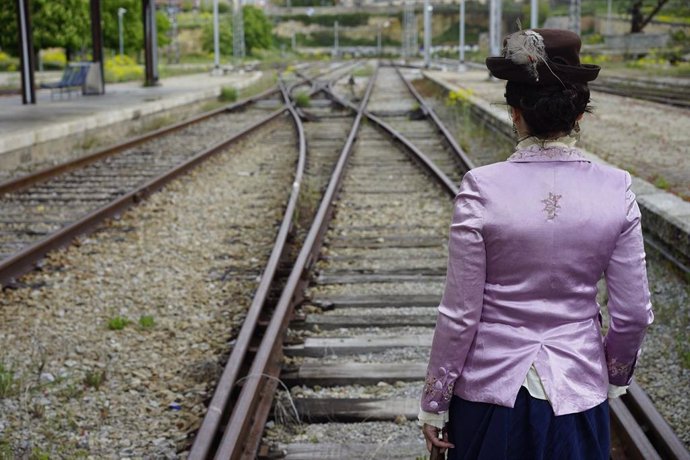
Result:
x=515 y=131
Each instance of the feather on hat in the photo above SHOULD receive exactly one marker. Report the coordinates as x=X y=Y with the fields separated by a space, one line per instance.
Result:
x=542 y=57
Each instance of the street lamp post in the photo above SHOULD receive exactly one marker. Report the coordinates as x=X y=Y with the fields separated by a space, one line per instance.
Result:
x=121 y=12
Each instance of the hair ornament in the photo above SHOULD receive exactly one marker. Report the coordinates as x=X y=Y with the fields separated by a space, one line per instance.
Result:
x=526 y=48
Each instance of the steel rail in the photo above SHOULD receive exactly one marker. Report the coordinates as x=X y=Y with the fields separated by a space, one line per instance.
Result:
x=234 y=444
x=448 y=184
x=219 y=405
x=462 y=155
x=206 y=435
x=23 y=261
x=665 y=441
x=19 y=183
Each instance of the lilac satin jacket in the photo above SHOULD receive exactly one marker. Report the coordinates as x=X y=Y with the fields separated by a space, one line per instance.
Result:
x=529 y=241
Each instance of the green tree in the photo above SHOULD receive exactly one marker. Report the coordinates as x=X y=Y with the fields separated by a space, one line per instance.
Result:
x=132 y=25
x=63 y=24
x=258 y=30
x=224 y=36
x=67 y=24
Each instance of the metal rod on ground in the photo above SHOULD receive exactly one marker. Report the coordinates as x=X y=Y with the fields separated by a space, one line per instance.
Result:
x=427 y=33
x=294 y=41
x=335 y=39
x=462 y=35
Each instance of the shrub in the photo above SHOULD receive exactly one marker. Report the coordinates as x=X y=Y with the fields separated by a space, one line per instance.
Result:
x=122 y=68
x=8 y=63
x=54 y=58
x=228 y=94
x=302 y=99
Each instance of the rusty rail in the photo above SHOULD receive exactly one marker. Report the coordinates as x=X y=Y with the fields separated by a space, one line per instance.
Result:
x=203 y=443
x=45 y=174
x=461 y=154
x=23 y=260
x=243 y=432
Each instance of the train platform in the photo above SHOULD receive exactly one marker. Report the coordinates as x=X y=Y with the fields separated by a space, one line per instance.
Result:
x=24 y=126
x=649 y=140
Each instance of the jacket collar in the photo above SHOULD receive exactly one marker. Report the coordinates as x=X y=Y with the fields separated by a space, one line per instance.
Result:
x=535 y=149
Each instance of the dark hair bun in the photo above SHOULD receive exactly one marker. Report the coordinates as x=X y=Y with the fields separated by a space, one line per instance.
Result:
x=549 y=110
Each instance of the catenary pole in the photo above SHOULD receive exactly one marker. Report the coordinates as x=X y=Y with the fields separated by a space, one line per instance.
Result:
x=427 y=33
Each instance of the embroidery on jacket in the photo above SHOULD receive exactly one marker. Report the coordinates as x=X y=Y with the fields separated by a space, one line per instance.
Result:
x=536 y=151
x=439 y=387
x=617 y=368
x=551 y=205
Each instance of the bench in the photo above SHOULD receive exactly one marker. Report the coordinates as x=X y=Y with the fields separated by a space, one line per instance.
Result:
x=73 y=79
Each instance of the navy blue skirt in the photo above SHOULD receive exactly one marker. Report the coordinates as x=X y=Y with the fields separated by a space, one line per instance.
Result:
x=528 y=431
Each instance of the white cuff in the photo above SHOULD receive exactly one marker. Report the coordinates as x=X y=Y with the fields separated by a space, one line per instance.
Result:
x=616 y=391
x=432 y=418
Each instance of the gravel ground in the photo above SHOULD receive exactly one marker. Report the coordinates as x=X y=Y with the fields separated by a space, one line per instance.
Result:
x=188 y=259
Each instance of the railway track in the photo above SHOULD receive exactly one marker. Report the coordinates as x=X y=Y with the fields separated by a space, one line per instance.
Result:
x=357 y=338
x=49 y=208
x=668 y=93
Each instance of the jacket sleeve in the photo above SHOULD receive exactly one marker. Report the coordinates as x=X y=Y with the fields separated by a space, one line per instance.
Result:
x=629 y=303
x=461 y=305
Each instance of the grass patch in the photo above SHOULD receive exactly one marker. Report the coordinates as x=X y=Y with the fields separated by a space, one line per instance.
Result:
x=147 y=321
x=365 y=71
x=7 y=385
x=117 y=323
x=302 y=99
x=94 y=379
x=39 y=454
x=661 y=183
x=228 y=94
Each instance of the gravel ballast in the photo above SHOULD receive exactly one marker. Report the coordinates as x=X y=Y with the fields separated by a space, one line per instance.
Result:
x=179 y=270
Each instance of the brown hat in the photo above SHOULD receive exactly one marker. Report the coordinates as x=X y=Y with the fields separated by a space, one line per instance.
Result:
x=542 y=57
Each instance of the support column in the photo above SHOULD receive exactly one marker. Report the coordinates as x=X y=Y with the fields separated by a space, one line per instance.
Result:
x=461 y=45
x=575 y=13
x=427 y=33
x=495 y=38
x=150 y=43
x=97 y=42
x=26 y=51
x=534 y=14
